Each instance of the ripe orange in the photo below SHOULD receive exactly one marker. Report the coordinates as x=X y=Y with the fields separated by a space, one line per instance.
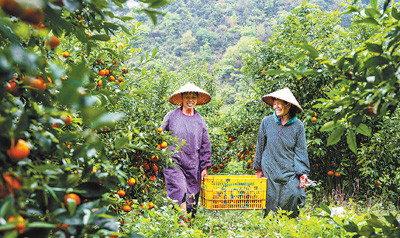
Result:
x=67 y=119
x=107 y=72
x=11 y=7
x=230 y=139
x=102 y=72
x=163 y=145
x=314 y=119
x=154 y=158
x=120 y=79
x=121 y=193
x=72 y=197
x=159 y=129
x=330 y=173
x=151 y=205
x=33 y=16
x=221 y=165
x=37 y=83
x=20 y=151
x=126 y=208
x=13 y=88
x=112 y=78
x=100 y=83
x=315 y=114
x=154 y=167
x=131 y=182
x=53 y=42
x=250 y=161
x=153 y=178
x=65 y=54
x=378 y=183
x=337 y=174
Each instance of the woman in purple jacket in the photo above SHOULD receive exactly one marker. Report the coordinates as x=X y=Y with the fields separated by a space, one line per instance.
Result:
x=183 y=180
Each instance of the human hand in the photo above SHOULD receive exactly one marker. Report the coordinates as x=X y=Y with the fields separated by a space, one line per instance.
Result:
x=303 y=181
x=204 y=174
x=259 y=173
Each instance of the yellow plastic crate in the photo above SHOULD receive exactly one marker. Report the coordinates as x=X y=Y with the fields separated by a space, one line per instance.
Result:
x=234 y=192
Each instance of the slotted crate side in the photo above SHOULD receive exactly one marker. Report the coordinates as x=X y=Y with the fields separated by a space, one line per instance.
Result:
x=233 y=192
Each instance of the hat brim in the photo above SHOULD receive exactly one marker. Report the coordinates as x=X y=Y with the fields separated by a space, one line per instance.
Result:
x=284 y=95
x=202 y=99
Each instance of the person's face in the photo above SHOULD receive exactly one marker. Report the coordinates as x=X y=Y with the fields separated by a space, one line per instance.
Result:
x=281 y=107
x=189 y=100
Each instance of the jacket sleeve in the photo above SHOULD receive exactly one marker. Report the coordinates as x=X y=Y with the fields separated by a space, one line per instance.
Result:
x=301 y=162
x=261 y=142
x=205 y=150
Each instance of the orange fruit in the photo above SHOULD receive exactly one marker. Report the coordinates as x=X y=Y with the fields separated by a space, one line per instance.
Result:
x=13 y=88
x=131 y=182
x=33 y=16
x=154 y=158
x=163 y=145
x=107 y=72
x=330 y=173
x=120 y=79
x=20 y=151
x=250 y=161
x=151 y=205
x=53 y=42
x=121 y=193
x=72 y=196
x=378 y=183
x=153 y=178
x=11 y=7
x=37 y=83
x=154 y=167
x=67 y=119
x=221 y=165
x=315 y=114
x=65 y=54
x=102 y=72
x=159 y=129
x=314 y=119
x=126 y=208
x=100 y=83
x=112 y=78
x=337 y=174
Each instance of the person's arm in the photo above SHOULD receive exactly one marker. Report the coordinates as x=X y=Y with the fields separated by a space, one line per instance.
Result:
x=261 y=142
x=205 y=153
x=301 y=162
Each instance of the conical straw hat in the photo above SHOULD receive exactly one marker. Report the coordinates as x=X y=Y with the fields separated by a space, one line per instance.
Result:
x=283 y=94
x=203 y=98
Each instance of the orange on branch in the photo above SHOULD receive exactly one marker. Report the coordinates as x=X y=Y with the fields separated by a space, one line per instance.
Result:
x=131 y=182
x=163 y=145
x=121 y=193
x=72 y=197
x=20 y=151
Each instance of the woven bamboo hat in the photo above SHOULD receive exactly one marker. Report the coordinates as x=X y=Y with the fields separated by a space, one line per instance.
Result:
x=203 y=98
x=283 y=94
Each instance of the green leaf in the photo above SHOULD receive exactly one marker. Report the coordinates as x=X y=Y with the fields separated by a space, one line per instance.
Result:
x=325 y=208
x=351 y=141
x=374 y=48
x=374 y=3
x=8 y=226
x=351 y=227
x=106 y=119
x=392 y=220
x=366 y=231
x=6 y=206
x=153 y=15
x=395 y=13
x=335 y=136
x=368 y=20
x=91 y=190
x=313 y=53
x=375 y=222
x=154 y=52
x=273 y=72
x=120 y=142
x=376 y=61
x=330 y=125
x=364 y=129
x=40 y=225
x=101 y=37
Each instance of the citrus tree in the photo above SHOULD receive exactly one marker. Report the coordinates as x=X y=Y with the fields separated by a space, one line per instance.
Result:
x=60 y=85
